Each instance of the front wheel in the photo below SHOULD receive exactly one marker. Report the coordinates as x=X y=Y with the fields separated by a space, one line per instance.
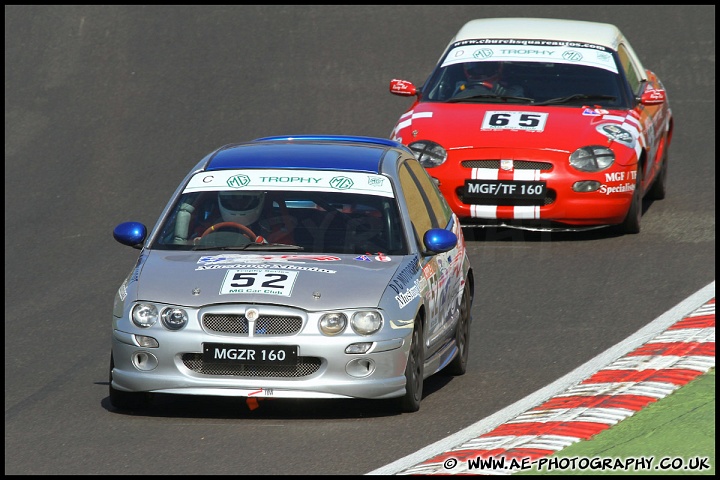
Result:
x=414 y=370
x=631 y=224
x=659 y=186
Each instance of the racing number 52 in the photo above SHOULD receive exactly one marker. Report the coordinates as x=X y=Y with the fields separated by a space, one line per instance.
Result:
x=247 y=279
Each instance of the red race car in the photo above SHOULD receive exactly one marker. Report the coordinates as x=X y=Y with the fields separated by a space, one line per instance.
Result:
x=541 y=124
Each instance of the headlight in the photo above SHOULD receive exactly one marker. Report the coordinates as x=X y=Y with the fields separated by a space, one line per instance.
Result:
x=592 y=159
x=366 y=323
x=144 y=315
x=429 y=154
x=174 y=318
x=332 y=323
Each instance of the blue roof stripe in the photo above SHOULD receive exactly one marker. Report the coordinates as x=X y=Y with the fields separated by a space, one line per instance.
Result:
x=277 y=152
x=333 y=138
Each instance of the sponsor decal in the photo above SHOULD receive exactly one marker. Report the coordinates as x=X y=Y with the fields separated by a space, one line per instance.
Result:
x=614 y=132
x=298 y=180
x=239 y=258
x=363 y=258
x=122 y=291
x=135 y=275
x=375 y=181
x=404 y=298
x=595 y=112
x=287 y=266
x=259 y=281
x=400 y=85
x=405 y=276
x=607 y=190
x=381 y=257
x=531 y=50
x=429 y=270
x=620 y=176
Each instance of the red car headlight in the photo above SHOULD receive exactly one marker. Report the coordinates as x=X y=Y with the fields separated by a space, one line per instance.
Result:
x=429 y=154
x=592 y=158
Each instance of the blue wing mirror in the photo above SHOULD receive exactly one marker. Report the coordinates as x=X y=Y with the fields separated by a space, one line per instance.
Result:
x=130 y=233
x=439 y=240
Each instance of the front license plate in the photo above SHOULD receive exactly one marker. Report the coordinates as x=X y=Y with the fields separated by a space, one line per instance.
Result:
x=250 y=354
x=513 y=189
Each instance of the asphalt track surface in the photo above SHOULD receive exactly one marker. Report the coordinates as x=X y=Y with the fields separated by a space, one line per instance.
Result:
x=107 y=107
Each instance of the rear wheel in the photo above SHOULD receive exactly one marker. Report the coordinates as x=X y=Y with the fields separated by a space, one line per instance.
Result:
x=125 y=400
x=458 y=365
x=410 y=402
x=631 y=224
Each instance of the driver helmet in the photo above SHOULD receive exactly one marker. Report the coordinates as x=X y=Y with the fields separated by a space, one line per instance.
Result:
x=241 y=207
x=482 y=71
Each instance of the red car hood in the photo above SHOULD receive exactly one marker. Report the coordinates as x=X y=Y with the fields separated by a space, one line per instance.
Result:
x=458 y=125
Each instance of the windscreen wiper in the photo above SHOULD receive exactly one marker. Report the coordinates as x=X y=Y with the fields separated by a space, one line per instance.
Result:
x=575 y=97
x=252 y=246
x=488 y=96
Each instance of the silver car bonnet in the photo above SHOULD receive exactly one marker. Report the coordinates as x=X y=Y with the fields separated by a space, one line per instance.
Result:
x=310 y=281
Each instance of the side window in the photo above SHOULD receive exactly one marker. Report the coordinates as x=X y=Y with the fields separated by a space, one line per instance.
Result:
x=631 y=72
x=419 y=213
x=441 y=212
x=425 y=203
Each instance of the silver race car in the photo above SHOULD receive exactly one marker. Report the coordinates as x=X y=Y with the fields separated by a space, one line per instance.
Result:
x=295 y=267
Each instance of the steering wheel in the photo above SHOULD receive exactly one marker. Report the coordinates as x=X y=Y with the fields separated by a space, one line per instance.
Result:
x=487 y=85
x=239 y=226
x=467 y=86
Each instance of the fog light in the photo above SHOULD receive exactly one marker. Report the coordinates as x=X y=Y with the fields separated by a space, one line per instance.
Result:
x=359 y=347
x=360 y=367
x=586 y=186
x=148 y=342
x=144 y=361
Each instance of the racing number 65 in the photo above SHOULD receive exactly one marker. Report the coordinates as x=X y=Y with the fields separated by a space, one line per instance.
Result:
x=515 y=120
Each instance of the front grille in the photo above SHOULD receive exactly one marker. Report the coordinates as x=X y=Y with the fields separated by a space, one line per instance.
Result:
x=305 y=366
x=517 y=164
x=239 y=325
x=549 y=198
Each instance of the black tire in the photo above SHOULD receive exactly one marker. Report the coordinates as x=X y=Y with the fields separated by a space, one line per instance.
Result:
x=125 y=400
x=414 y=370
x=631 y=224
x=458 y=365
x=659 y=186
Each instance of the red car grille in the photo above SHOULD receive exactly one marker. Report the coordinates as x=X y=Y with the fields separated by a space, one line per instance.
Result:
x=517 y=164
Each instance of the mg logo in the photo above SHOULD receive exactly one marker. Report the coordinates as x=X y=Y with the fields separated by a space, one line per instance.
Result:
x=483 y=53
x=615 y=176
x=341 y=183
x=572 y=56
x=238 y=181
